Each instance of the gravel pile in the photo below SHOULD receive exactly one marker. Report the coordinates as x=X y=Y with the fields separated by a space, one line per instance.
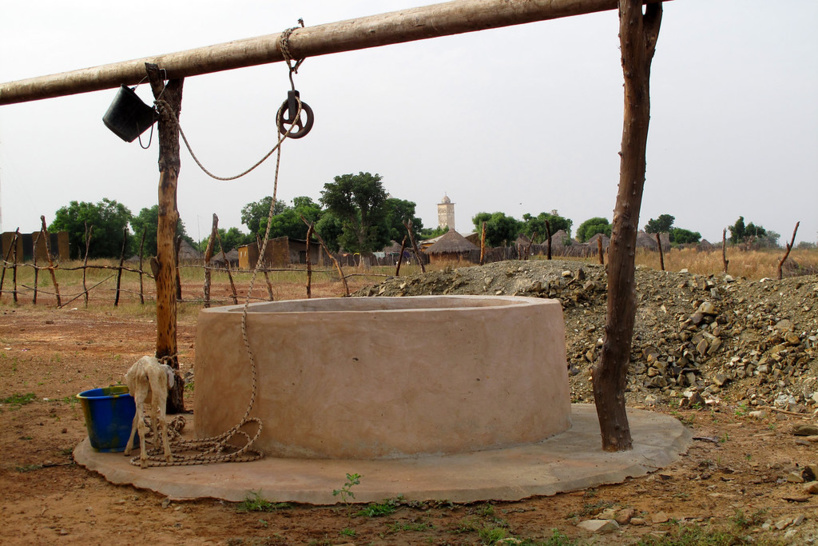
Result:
x=698 y=339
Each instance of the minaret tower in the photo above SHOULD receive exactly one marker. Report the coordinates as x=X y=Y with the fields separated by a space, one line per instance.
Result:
x=445 y=213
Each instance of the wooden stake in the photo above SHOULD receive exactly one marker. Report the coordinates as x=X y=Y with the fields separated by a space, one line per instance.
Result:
x=331 y=257
x=36 y=270
x=50 y=262
x=548 y=236
x=214 y=232
x=14 y=266
x=408 y=226
x=789 y=247
x=599 y=250
x=483 y=243
x=227 y=267
x=724 y=259
x=164 y=264
x=88 y=231
x=638 y=33
x=6 y=260
x=661 y=253
x=121 y=263
x=309 y=262
x=400 y=258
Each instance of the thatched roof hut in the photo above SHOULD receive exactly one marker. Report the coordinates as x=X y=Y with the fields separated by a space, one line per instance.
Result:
x=451 y=246
x=187 y=253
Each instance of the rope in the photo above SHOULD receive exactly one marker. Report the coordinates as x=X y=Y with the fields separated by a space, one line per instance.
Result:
x=216 y=449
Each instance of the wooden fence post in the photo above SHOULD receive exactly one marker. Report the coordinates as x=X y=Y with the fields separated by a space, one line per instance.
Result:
x=661 y=253
x=548 y=236
x=408 y=226
x=483 y=243
x=264 y=266
x=141 y=287
x=227 y=266
x=309 y=262
x=36 y=271
x=786 y=254
x=331 y=257
x=88 y=231
x=50 y=262
x=400 y=258
x=207 y=257
x=724 y=259
x=14 y=266
x=6 y=259
x=121 y=261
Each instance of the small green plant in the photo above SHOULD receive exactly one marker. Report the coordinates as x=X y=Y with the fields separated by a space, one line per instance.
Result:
x=741 y=410
x=376 y=510
x=413 y=526
x=17 y=399
x=189 y=386
x=254 y=502
x=347 y=532
x=490 y=535
x=346 y=492
x=557 y=538
x=724 y=437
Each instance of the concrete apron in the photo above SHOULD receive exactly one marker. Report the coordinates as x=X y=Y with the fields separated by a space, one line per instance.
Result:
x=569 y=461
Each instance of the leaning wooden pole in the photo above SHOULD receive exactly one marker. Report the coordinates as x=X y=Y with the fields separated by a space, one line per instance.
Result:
x=638 y=33
x=214 y=231
x=786 y=254
x=407 y=25
x=164 y=264
x=46 y=237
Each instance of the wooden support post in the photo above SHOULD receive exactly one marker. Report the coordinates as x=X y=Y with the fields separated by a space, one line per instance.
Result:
x=599 y=251
x=661 y=253
x=50 y=262
x=402 y=26
x=638 y=34
x=724 y=259
x=88 y=230
x=309 y=262
x=214 y=231
x=121 y=262
x=164 y=264
x=400 y=258
x=786 y=254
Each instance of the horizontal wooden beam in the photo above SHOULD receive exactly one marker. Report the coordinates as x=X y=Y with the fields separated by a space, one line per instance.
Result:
x=390 y=28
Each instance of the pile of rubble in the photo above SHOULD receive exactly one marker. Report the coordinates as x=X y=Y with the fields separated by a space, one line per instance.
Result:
x=698 y=339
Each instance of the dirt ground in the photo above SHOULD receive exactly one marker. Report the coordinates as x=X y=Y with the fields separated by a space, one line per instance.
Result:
x=740 y=482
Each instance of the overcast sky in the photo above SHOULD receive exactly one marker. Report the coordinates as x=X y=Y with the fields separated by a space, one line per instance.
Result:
x=523 y=119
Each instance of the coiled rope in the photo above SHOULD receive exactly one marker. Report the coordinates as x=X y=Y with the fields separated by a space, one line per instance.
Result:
x=218 y=449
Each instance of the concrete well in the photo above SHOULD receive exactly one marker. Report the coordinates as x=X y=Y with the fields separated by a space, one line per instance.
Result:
x=374 y=378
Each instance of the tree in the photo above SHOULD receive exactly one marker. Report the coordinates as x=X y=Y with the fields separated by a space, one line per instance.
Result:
x=501 y=230
x=331 y=228
x=254 y=215
x=536 y=225
x=592 y=226
x=741 y=233
x=663 y=224
x=681 y=236
x=431 y=233
x=108 y=218
x=288 y=222
x=359 y=201
x=399 y=211
x=146 y=222
x=234 y=238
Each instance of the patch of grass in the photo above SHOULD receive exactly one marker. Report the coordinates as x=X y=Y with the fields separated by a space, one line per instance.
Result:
x=254 y=502
x=694 y=536
x=376 y=510
x=490 y=535
x=557 y=538
x=17 y=399
x=347 y=532
x=416 y=526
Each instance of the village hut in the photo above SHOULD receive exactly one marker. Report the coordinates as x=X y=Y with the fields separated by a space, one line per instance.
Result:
x=451 y=247
x=605 y=241
x=232 y=259
x=188 y=254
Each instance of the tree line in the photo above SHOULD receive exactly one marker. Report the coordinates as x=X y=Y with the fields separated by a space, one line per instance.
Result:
x=354 y=213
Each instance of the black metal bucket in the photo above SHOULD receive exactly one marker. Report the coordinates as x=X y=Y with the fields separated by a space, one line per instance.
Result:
x=128 y=117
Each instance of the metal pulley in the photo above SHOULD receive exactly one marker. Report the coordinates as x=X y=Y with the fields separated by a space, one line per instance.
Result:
x=288 y=118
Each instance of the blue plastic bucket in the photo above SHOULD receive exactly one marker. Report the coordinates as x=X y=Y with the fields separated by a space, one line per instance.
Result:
x=109 y=414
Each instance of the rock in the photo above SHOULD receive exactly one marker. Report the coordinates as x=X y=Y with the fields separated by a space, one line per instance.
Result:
x=720 y=379
x=805 y=430
x=599 y=525
x=758 y=414
x=795 y=477
x=625 y=516
x=811 y=488
x=784 y=325
x=707 y=308
x=608 y=513
x=660 y=517
x=638 y=521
